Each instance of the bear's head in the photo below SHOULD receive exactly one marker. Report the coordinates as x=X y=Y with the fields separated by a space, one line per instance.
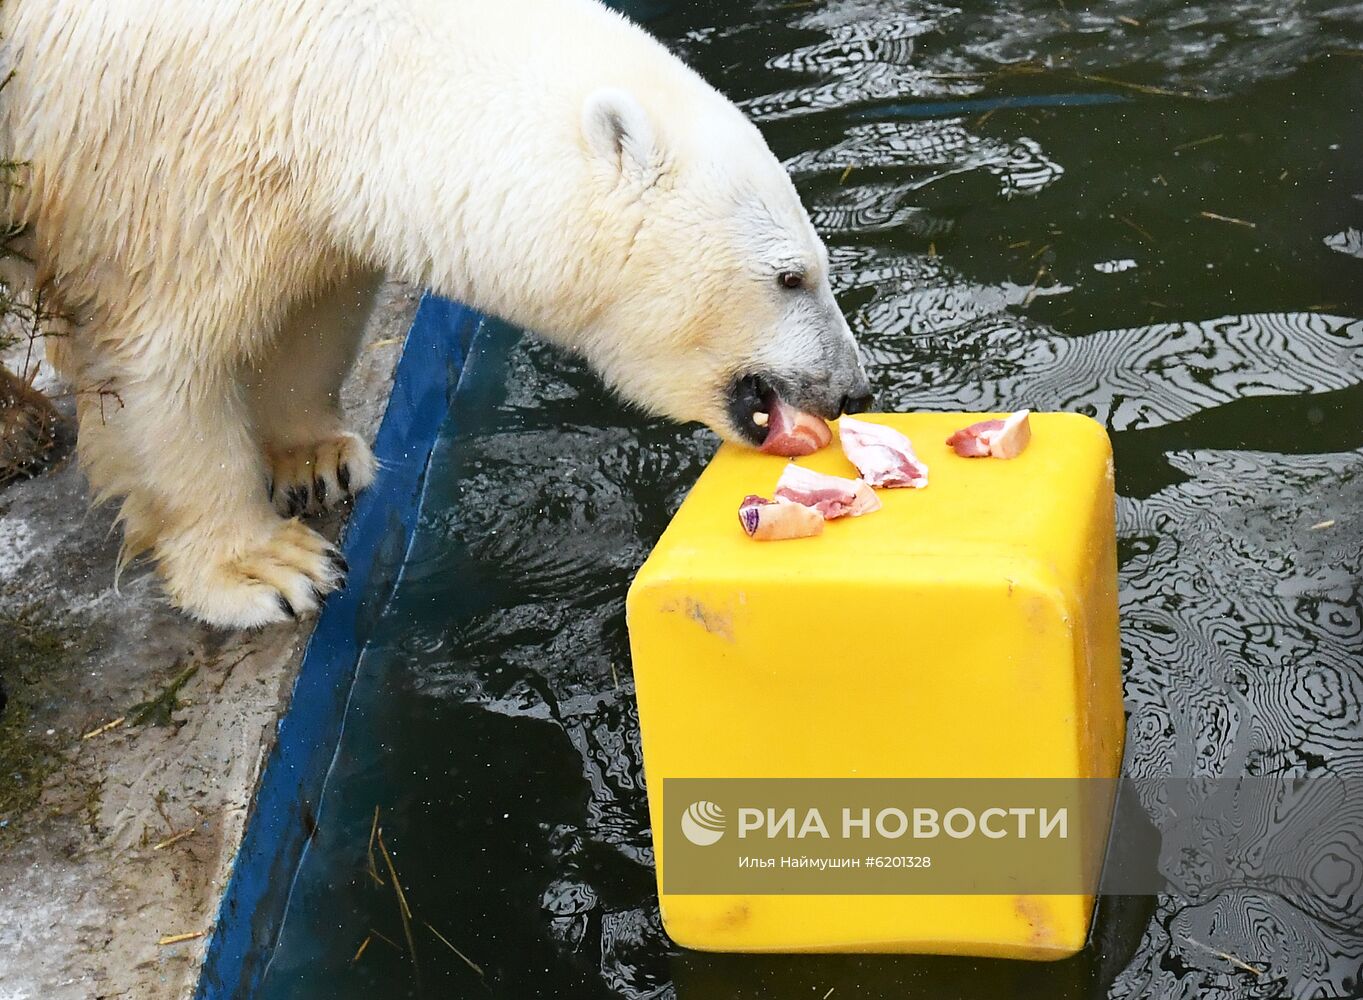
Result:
x=718 y=301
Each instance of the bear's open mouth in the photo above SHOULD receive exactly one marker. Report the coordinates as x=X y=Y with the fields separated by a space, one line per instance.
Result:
x=751 y=399
x=770 y=423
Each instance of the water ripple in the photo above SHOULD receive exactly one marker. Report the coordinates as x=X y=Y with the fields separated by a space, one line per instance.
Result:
x=937 y=149
x=1130 y=378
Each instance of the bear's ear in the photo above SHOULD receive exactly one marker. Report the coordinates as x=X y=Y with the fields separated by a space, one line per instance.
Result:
x=618 y=131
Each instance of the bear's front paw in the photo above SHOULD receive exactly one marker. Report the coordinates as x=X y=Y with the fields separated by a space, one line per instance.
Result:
x=311 y=478
x=245 y=583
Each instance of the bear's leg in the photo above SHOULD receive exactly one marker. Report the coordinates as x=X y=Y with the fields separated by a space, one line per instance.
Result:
x=31 y=431
x=170 y=433
x=295 y=395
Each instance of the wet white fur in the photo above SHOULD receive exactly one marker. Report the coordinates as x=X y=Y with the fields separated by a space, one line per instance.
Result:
x=201 y=170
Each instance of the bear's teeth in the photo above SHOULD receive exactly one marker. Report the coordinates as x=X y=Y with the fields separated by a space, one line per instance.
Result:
x=760 y=419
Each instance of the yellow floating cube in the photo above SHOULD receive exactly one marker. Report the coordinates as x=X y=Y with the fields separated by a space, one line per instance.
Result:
x=966 y=630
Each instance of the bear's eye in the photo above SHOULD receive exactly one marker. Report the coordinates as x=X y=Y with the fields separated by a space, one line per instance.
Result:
x=790 y=279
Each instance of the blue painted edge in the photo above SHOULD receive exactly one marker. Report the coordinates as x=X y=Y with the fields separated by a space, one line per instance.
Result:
x=375 y=543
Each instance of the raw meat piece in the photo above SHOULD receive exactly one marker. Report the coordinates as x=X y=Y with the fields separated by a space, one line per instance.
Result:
x=882 y=455
x=793 y=432
x=769 y=521
x=973 y=441
x=997 y=438
x=831 y=496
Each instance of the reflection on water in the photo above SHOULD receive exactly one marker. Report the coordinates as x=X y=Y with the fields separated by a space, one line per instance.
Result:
x=1242 y=619
x=937 y=150
x=1350 y=241
x=1019 y=211
x=1142 y=377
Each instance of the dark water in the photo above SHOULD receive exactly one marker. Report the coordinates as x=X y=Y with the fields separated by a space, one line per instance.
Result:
x=1013 y=197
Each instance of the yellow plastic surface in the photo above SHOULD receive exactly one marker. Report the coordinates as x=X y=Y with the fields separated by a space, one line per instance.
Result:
x=967 y=629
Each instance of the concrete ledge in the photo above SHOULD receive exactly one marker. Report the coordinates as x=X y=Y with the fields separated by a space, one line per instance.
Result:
x=376 y=543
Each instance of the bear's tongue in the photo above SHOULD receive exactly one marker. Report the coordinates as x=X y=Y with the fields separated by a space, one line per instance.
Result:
x=793 y=432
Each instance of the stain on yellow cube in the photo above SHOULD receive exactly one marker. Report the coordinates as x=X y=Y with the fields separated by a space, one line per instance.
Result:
x=965 y=630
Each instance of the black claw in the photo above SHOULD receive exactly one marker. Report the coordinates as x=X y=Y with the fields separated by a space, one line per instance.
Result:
x=269 y=490
x=319 y=487
x=339 y=562
x=286 y=607
x=297 y=500
x=343 y=476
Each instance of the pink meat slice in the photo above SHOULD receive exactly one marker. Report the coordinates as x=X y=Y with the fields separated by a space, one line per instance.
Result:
x=792 y=432
x=973 y=441
x=831 y=496
x=882 y=455
x=769 y=521
x=1006 y=438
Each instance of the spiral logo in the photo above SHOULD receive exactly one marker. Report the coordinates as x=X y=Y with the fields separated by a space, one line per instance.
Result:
x=703 y=823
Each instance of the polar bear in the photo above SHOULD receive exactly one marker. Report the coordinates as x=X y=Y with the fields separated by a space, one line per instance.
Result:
x=198 y=172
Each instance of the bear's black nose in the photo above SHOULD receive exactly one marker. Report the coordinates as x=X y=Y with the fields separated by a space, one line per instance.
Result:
x=859 y=403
